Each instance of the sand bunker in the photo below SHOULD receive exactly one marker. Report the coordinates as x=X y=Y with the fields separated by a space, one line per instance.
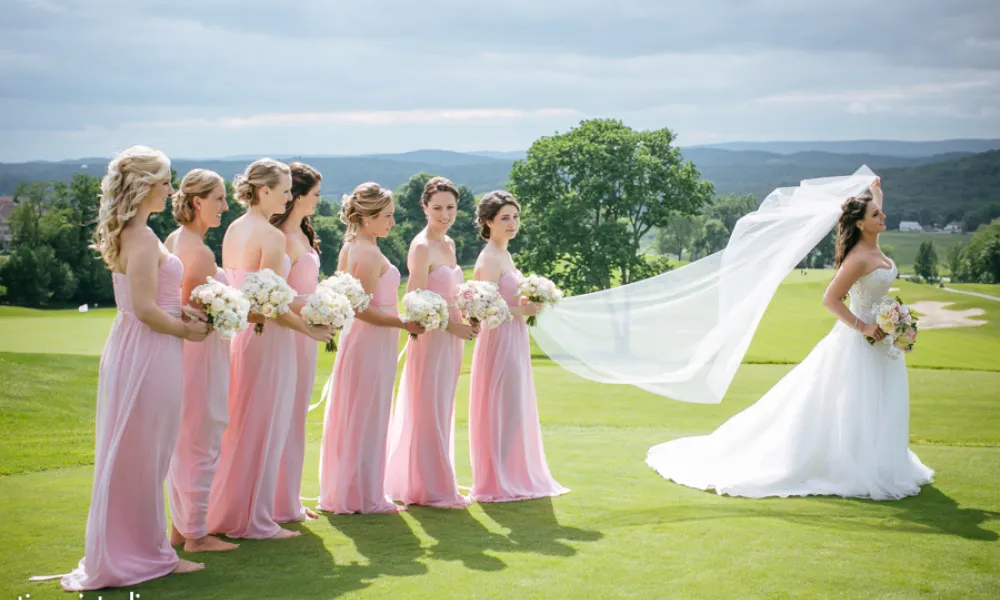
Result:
x=934 y=315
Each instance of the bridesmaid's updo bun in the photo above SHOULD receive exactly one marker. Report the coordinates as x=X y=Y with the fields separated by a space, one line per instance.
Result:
x=262 y=173
x=491 y=204
x=367 y=201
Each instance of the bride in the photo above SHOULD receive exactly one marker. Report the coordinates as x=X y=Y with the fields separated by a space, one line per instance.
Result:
x=837 y=424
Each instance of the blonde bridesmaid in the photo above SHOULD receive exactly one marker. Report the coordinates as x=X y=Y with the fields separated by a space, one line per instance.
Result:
x=505 y=438
x=356 y=423
x=421 y=467
x=302 y=247
x=198 y=207
x=139 y=383
x=263 y=367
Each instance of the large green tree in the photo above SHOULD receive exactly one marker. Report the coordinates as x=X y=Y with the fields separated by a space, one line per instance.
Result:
x=591 y=194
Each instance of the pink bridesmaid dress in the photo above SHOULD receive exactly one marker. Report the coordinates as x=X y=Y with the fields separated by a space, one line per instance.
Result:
x=261 y=396
x=204 y=417
x=139 y=391
x=356 y=424
x=421 y=467
x=288 y=508
x=505 y=438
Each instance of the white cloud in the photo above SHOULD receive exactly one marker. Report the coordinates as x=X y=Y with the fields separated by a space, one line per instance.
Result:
x=76 y=76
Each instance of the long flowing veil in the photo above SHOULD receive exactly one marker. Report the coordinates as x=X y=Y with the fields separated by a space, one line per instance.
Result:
x=684 y=333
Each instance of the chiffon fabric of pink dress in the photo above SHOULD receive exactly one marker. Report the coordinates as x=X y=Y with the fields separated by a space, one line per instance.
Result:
x=139 y=391
x=505 y=438
x=261 y=398
x=356 y=424
x=303 y=277
x=421 y=467
x=203 y=420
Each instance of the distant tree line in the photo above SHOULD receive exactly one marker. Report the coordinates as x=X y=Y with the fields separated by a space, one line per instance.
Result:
x=52 y=229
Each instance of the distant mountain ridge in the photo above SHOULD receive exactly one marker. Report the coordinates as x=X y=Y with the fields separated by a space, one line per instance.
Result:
x=748 y=171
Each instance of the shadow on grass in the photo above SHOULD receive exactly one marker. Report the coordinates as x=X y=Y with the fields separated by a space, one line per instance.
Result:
x=935 y=512
x=386 y=540
x=299 y=568
x=461 y=537
x=533 y=527
x=931 y=512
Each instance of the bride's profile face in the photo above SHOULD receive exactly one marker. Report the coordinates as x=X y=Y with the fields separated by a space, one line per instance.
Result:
x=874 y=221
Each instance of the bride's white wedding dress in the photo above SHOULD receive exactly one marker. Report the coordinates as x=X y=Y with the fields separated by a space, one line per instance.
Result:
x=837 y=424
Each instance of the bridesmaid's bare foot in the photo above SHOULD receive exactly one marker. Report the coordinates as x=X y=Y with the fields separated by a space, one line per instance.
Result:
x=175 y=537
x=186 y=566
x=208 y=544
x=310 y=515
x=284 y=534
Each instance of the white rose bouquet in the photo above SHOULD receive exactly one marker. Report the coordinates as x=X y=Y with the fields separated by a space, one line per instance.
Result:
x=481 y=303
x=540 y=290
x=269 y=295
x=225 y=306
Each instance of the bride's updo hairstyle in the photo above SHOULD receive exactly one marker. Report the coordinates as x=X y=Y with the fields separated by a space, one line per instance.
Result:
x=367 y=201
x=848 y=232
x=130 y=176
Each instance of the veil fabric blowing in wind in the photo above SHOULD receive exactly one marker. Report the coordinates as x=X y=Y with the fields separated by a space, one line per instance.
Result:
x=683 y=334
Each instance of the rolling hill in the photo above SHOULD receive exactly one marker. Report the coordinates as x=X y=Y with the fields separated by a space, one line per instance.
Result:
x=942 y=187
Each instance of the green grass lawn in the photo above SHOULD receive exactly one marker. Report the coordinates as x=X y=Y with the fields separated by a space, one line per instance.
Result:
x=621 y=533
x=905 y=244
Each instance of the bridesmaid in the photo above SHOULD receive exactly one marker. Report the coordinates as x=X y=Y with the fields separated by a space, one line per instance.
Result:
x=263 y=371
x=198 y=207
x=302 y=247
x=505 y=438
x=139 y=383
x=421 y=467
x=356 y=424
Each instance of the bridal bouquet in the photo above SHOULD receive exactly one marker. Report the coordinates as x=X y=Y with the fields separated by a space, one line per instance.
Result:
x=481 y=303
x=425 y=307
x=895 y=319
x=330 y=308
x=225 y=306
x=540 y=290
x=349 y=286
x=269 y=295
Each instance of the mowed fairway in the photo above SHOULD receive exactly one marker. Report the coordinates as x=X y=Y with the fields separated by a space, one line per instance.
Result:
x=621 y=533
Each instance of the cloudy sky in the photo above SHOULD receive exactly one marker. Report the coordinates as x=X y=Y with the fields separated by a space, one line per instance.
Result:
x=208 y=78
